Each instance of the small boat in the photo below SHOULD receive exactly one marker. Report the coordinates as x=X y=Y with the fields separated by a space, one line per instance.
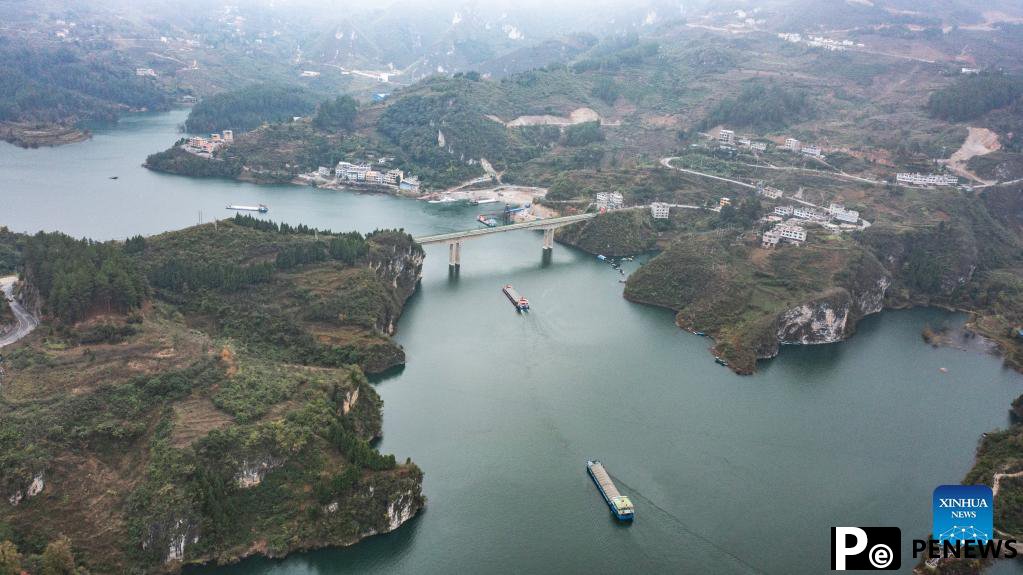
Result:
x=489 y=222
x=719 y=361
x=488 y=201
x=242 y=208
x=699 y=333
x=601 y=257
x=113 y=177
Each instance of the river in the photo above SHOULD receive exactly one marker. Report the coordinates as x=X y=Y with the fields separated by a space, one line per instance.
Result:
x=729 y=474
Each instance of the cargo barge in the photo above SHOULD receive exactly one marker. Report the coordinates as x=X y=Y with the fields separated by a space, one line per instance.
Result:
x=621 y=506
x=260 y=208
x=520 y=303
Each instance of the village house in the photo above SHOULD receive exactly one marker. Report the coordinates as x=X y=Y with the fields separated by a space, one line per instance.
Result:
x=927 y=179
x=610 y=200
x=409 y=185
x=807 y=213
x=840 y=213
x=660 y=210
x=812 y=151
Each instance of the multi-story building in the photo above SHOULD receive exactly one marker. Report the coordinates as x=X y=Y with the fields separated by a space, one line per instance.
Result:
x=792 y=144
x=927 y=179
x=789 y=232
x=660 y=210
x=770 y=193
x=770 y=239
x=807 y=213
x=229 y=136
x=610 y=200
x=409 y=185
x=726 y=137
x=724 y=202
x=349 y=172
x=393 y=177
x=813 y=151
x=840 y=213
x=783 y=210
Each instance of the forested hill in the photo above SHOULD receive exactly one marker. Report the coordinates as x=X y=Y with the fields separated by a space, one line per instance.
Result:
x=249 y=107
x=209 y=381
x=66 y=85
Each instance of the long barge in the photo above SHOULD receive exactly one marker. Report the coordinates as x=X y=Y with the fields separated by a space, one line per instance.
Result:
x=621 y=506
x=520 y=303
x=260 y=208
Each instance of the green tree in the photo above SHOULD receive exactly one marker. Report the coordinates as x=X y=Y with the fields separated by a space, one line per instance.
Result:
x=10 y=559
x=58 y=559
x=607 y=90
x=337 y=114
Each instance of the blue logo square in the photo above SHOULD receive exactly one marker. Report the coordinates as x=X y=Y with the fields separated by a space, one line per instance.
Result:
x=963 y=512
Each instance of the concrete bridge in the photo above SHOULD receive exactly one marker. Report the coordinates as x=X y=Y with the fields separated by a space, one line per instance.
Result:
x=455 y=239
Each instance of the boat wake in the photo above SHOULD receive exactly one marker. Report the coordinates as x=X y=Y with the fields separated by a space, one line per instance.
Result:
x=682 y=526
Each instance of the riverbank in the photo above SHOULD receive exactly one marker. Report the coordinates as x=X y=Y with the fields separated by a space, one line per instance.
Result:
x=31 y=135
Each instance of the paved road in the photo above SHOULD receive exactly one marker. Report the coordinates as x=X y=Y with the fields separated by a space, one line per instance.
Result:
x=26 y=321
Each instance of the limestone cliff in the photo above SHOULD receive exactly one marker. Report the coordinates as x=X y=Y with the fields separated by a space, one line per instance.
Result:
x=751 y=301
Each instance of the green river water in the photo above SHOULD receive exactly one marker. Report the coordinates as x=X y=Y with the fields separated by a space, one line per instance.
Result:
x=729 y=474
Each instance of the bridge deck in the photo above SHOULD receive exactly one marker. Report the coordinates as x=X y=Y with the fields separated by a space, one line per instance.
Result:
x=535 y=224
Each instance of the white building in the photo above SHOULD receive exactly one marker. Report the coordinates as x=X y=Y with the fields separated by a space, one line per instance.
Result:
x=927 y=179
x=323 y=172
x=349 y=172
x=807 y=213
x=229 y=136
x=409 y=185
x=771 y=237
x=145 y=72
x=726 y=137
x=659 y=210
x=610 y=200
x=783 y=210
x=840 y=213
x=393 y=177
x=794 y=233
x=812 y=151
x=792 y=144
x=770 y=193
x=971 y=71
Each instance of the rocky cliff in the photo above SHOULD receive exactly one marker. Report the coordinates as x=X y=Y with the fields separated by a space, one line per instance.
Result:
x=752 y=301
x=172 y=449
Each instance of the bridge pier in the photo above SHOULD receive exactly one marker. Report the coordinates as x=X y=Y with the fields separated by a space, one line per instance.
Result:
x=455 y=254
x=548 y=239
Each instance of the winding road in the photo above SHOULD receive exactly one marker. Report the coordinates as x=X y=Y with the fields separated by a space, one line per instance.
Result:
x=26 y=321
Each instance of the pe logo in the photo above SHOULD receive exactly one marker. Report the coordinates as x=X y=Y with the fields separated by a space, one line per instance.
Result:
x=963 y=513
x=866 y=548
